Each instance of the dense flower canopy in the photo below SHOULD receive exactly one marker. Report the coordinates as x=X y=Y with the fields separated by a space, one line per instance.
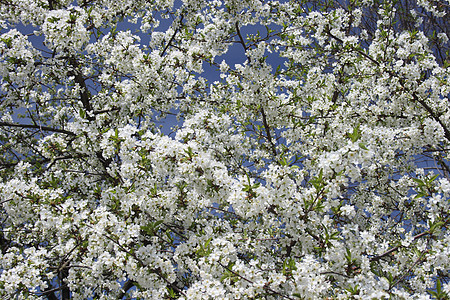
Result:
x=316 y=167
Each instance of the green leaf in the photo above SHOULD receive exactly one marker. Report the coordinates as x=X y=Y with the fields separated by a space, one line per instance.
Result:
x=363 y=146
x=435 y=225
x=317 y=182
x=433 y=178
x=205 y=249
x=355 y=135
x=151 y=228
x=82 y=114
x=7 y=41
x=172 y=293
x=418 y=181
x=169 y=236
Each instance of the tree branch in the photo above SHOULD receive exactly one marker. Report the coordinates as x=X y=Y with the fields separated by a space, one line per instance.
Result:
x=358 y=51
x=154 y=271
x=241 y=39
x=268 y=135
x=45 y=128
x=378 y=257
x=128 y=285
x=266 y=287
x=79 y=79
x=172 y=38
x=433 y=115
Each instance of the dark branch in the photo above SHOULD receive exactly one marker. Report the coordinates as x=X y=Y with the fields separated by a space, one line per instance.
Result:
x=241 y=39
x=172 y=37
x=128 y=285
x=378 y=257
x=80 y=80
x=268 y=135
x=433 y=115
x=45 y=128
x=266 y=287
x=356 y=50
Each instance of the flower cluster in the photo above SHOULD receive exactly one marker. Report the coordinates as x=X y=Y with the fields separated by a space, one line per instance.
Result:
x=224 y=149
